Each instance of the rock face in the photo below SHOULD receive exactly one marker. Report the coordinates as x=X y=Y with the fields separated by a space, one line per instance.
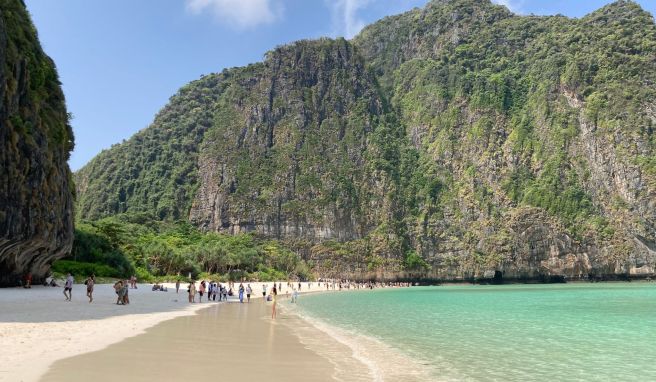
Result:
x=36 y=190
x=456 y=141
x=290 y=156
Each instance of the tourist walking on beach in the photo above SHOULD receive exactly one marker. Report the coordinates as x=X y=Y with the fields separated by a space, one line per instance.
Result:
x=201 y=290
x=241 y=292
x=68 y=287
x=249 y=291
x=118 y=287
x=191 y=289
x=90 y=282
x=124 y=293
x=132 y=282
x=177 y=286
x=274 y=294
x=264 y=286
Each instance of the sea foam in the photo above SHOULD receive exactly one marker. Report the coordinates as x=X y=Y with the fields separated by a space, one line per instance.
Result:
x=358 y=357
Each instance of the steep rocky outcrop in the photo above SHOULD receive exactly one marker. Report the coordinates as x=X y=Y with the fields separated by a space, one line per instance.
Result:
x=290 y=155
x=456 y=141
x=36 y=190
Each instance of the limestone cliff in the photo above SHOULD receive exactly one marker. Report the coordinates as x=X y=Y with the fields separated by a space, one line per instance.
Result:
x=289 y=155
x=36 y=190
x=452 y=142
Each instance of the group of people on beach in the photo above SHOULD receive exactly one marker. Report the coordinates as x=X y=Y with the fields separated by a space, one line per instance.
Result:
x=121 y=289
x=212 y=289
x=339 y=284
x=68 y=287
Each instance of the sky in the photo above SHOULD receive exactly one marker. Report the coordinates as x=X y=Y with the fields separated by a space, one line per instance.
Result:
x=120 y=61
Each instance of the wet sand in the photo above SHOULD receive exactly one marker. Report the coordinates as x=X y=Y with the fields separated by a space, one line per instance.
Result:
x=40 y=327
x=224 y=341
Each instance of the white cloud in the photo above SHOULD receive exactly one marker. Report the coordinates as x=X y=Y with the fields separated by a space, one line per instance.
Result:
x=240 y=14
x=514 y=5
x=345 y=18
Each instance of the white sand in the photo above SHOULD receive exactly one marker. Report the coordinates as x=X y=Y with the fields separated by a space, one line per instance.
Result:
x=38 y=327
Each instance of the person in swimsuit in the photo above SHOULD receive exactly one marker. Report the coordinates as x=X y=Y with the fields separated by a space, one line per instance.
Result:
x=274 y=293
x=68 y=287
x=201 y=290
x=249 y=291
x=192 y=291
x=118 y=287
x=125 y=293
x=90 y=282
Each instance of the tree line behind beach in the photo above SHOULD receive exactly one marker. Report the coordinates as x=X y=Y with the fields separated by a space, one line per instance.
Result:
x=134 y=244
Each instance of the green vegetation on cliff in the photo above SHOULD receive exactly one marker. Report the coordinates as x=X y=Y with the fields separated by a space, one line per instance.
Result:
x=36 y=188
x=127 y=244
x=450 y=140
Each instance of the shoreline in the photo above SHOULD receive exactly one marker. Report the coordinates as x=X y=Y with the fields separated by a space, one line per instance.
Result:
x=37 y=344
x=357 y=356
x=41 y=328
x=227 y=341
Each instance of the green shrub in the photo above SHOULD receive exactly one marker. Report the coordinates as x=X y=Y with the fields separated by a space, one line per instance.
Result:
x=143 y=275
x=78 y=269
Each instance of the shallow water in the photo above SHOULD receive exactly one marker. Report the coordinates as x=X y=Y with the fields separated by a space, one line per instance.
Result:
x=565 y=332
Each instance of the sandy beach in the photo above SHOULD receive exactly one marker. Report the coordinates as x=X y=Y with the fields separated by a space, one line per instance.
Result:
x=228 y=342
x=38 y=327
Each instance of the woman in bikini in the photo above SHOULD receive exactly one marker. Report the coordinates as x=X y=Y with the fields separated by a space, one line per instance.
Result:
x=274 y=294
x=90 y=281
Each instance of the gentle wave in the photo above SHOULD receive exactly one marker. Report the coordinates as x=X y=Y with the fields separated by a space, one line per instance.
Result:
x=358 y=357
x=509 y=333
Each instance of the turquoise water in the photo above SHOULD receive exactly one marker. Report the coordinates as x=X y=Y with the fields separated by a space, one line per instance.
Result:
x=570 y=332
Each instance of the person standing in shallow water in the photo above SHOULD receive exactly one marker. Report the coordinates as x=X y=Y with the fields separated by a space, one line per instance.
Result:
x=274 y=294
x=241 y=292
x=177 y=286
x=90 y=283
x=202 y=290
x=68 y=287
x=192 y=291
x=249 y=291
